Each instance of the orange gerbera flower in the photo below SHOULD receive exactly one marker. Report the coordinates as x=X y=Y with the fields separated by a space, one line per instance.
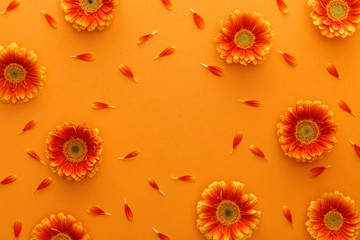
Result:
x=59 y=227
x=89 y=14
x=336 y=17
x=74 y=151
x=227 y=212
x=20 y=77
x=307 y=131
x=244 y=38
x=333 y=217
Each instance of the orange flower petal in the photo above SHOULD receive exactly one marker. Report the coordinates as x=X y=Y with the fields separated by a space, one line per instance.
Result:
x=237 y=140
x=356 y=147
x=167 y=4
x=128 y=213
x=282 y=6
x=185 y=178
x=44 y=183
x=161 y=235
x=131 y=155
x=28 y=126
x=33 y=154
x=253 y=103
x=167 y=51
x=17 y=227
x=50 y=19
x=199 y=21
x=214 y=70
x=257 y=151
x=316 y=171
x=93 y=210
x=345 y=107
x=154 y=185
x=101 y=105
x=124 y=69
x=332 y=70
x=85 y=57
x=9 y=179
x=146 y=37
x=12 y=5
x=287 y=213
x=291 y=60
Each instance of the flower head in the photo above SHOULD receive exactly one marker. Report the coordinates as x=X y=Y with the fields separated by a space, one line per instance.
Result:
x=226 y=211
x=74 y=150
x=244 y=38
x=307 y=131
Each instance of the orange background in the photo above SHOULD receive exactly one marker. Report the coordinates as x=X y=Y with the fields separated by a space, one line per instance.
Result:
x=180 y=116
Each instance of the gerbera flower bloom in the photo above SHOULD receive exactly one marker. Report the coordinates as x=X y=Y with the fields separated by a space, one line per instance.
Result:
x=20 y=77
x=89 y=14
x=244 y=38
x=227 y=212
x=333 y=217
x=59 y=227
x=74 y=150
x=307 y=131
x=336 y=17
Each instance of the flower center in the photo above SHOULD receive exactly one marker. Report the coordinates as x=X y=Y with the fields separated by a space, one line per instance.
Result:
x=75 y=150
x=228 y=213
x=244 y=39
x=307 y=131
x=14 y=73
x=333 y=220
x=337 y=10
x=91 y=6
x=61 y=236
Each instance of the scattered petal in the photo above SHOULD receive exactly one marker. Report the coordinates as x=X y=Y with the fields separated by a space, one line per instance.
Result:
x=316 y=171
x=185 y=178
x=332 y=70
x=130 y=155
x=124 y=69
x=33 y=154
x=45 y=183
x=345 y=107
x=199 y=21
x=282 y=6
x=17 y=227
x=9 y=179
x=93 y=210
x=167 y=51
x=356 y=147
x=161 y=235
x=287 y=213
x=85 y=57
x=12 y=5
x=237 y=140
x=214 y=70
x=50 y=19
x=167 y=4
x=146 y=37
x=28 y=126
x=291 y=60
x=257 y=151
x=128 y=213
x=154 y=185
x=253 y=103
x=101 y=105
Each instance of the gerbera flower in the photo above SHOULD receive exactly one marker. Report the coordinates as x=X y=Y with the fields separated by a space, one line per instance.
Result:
x=307 y=131
x=74 y=150
x=227 y=212
x=59 y=227
x=20 y=77
x=333 y=217
x=336 y=17
x=244 y=38
x=89 y=14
